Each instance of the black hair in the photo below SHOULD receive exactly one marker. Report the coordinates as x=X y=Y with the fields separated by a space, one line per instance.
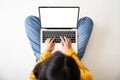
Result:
x=57 y=67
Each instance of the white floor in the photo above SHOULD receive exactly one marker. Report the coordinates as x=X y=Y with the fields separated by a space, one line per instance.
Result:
x=103 y=51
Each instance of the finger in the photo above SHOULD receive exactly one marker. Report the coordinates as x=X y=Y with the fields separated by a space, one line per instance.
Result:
x=47 y=40
x=69 y=40
x=52 y=40
x=53 y=44
x=62 y=39
x=65 y=39
x=62 y=43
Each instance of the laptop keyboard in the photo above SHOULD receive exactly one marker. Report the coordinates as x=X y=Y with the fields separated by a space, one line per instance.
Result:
x=57 y=34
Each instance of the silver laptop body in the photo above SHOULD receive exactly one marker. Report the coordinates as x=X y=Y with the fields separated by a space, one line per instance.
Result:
x=58 y=20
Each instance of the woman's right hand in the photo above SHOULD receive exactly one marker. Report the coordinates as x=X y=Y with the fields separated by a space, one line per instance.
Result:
x=66 y=43
x=49 y=44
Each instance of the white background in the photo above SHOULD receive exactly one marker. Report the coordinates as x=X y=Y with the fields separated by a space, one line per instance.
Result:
x=103 y=51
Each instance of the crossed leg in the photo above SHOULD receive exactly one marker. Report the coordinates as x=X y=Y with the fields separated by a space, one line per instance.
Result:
x=85 y=26
x=33 y=25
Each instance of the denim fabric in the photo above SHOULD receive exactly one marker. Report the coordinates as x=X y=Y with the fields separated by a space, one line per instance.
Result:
x=85 y=26
x=33 y=25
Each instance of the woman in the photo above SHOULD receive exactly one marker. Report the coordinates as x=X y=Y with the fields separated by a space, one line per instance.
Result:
x=59 y=65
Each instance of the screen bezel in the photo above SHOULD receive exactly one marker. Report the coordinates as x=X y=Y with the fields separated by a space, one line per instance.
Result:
x=59 y=7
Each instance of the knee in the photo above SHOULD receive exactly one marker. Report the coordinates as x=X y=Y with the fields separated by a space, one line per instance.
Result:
x=30 y=20
x=86 y=20
x=89 y=20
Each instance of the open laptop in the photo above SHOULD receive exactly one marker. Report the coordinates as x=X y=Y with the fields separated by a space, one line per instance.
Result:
x=56 y=22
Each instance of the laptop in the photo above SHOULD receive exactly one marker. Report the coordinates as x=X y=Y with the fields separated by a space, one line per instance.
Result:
x=58 y=21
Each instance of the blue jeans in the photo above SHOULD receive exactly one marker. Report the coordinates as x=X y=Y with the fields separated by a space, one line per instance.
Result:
x=33 y=25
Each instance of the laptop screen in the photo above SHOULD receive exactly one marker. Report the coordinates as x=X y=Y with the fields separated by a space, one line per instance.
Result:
x=59 y=17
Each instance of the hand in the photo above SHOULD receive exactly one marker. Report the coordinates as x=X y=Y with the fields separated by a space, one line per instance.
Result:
x=66 y=43
x=49 y=44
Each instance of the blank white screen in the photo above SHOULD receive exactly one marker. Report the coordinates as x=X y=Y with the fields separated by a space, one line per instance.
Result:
x=58 y=17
